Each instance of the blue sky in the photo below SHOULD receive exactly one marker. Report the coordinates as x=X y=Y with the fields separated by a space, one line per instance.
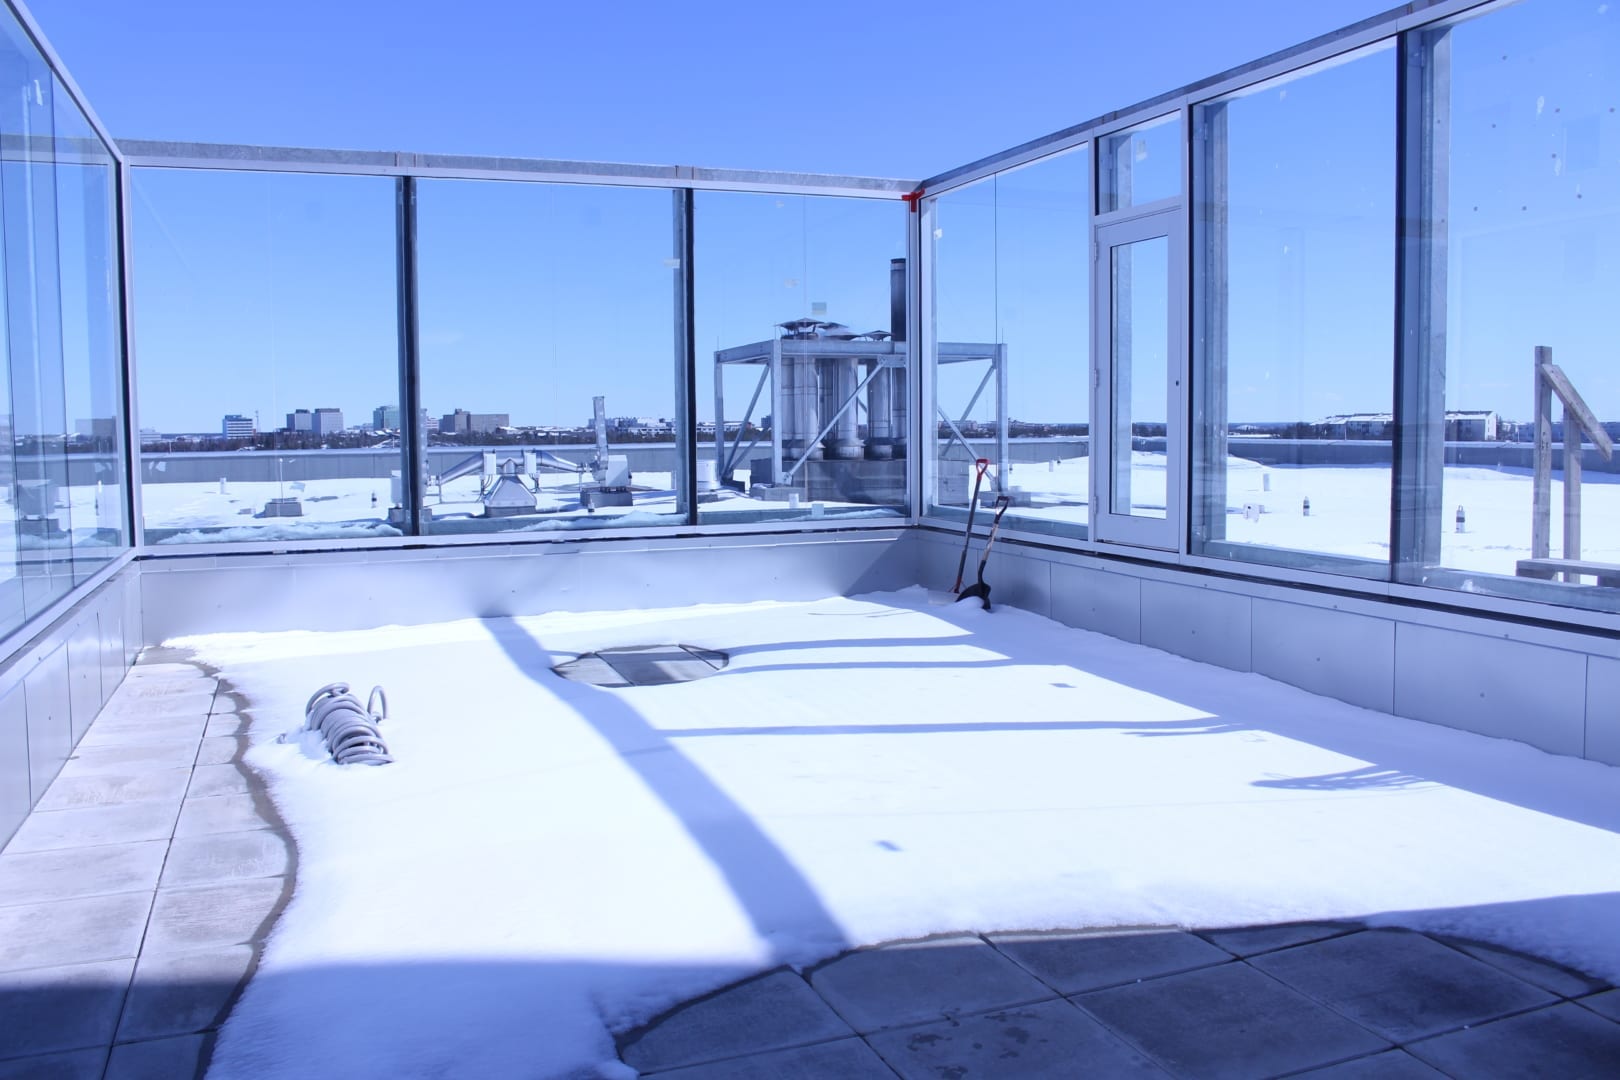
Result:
x=514 y=278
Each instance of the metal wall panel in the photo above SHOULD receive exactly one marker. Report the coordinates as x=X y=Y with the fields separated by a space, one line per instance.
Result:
x=134 y=637
x=84 y=673
x=15 y=795
x=1492 y=686
x=1099 y=600
x=1336 y=653
x=1021 y=581
x=50 y=728
x=1199 y=623
x=1603 y=709
x=376 y=588
x=110 y=624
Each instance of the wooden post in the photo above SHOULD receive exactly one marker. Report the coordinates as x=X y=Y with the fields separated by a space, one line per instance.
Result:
x=1572 y=489
x=1541 y=484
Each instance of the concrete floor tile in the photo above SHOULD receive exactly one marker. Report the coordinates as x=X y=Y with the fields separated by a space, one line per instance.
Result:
x=94 y=826
x=221 y=724
x=62 y=932
x=74 y=1065
x=106 y=735
x=183 y=993
x=1251 y=940
x=69 y=1008
x=226 y=704
x=1565 y=1041
x=218 y=749
x=1604 y=1004
x=116 y=789
x=212 y=916
x=220 y=857
x=1072 y=963
x=1400 y=984
x=921 y=981
x=217 y=814
x=771 y=1012
x=126 y=758
x=177 y=687
x=1563 y=981
x=160 y=1059
x=845 y=1059
x=1030 y=1042
x=126 y=706
x=1228 y=1022
x=41 y=876
x=1390 y=1065
x=210 y=780
x=157 y=669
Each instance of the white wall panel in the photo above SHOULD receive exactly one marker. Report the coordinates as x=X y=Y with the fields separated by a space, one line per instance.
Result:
x=1326 y=651
x=1492 y=685
x=1199 y=623
x=50 y=727
x=1603 y=710
x=1099 y=600
x=15 y=794
x=84 y=673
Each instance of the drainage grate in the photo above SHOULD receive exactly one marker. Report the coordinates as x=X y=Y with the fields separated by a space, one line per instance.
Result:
x=643 y=665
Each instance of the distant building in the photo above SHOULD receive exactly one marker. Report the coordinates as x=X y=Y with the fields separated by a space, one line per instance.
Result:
x=462 y=422
x=150 y=436
x=385 y=418
x=326 y=422
x=99 y=427
x=237 y=427
x=1471 y=427
x=301 y=420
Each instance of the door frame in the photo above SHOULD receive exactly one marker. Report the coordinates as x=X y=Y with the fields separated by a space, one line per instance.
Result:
x=1107 y=526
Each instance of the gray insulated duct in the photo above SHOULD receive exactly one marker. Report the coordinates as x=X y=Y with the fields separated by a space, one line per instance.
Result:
x=348 y=728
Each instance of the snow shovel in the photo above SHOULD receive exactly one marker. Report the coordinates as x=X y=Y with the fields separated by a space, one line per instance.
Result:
x=980 y=466
x=979 y=589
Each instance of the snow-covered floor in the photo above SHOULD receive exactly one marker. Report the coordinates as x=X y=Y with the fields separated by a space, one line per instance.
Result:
x=548 y=862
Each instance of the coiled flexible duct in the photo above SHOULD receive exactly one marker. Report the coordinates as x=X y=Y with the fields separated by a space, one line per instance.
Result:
x=348 y=728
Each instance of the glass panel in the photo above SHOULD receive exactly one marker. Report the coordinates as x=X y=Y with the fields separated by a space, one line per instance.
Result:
x=1140 y=390
x=1141 y=164
x=537 y=303
x=1294 y=360
x=1012 y=283
x=800 y=301
x=1528 y=240
x=39 y=548
x=268 y=330
x=91 y=342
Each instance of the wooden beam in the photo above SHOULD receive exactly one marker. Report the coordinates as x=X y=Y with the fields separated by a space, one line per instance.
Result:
x=1573 y=404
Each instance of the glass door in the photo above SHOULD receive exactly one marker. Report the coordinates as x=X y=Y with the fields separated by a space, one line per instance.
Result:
x=1137 y=437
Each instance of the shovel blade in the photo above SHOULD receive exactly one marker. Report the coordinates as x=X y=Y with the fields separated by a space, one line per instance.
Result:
x=978 y=590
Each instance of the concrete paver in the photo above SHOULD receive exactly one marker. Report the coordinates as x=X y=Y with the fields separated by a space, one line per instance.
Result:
x=61 y=932
x=220 y=857
x=219 y=814
x=916 y=982
x=1047 y=1039
x=1401 y=984
x=1253 y=940
x=47 y=1010
x=43 y=876
x=1390 y=1065
x=75 y=792
x=160 y=1059
x=184 y=993
x=1228 y=1022
x=772 y=1012
x=212 y=916
x=94 y=826
x=1565 y=1041
x=846 y=1059
x=1073 y=963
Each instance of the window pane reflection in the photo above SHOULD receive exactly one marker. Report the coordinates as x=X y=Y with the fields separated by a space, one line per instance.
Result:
x=537 y=301
x=269 y=355
x=1012 y=288
x=1294 y=285
x=801 y=363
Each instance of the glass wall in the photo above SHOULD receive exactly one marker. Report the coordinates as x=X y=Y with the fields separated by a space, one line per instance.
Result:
x=1294 y=286
x=1522 y=252
x=1012 y=303
x=800 y=356
x=268 y=356
x=1141 y=165
x=548 y=357
x=61 y=501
